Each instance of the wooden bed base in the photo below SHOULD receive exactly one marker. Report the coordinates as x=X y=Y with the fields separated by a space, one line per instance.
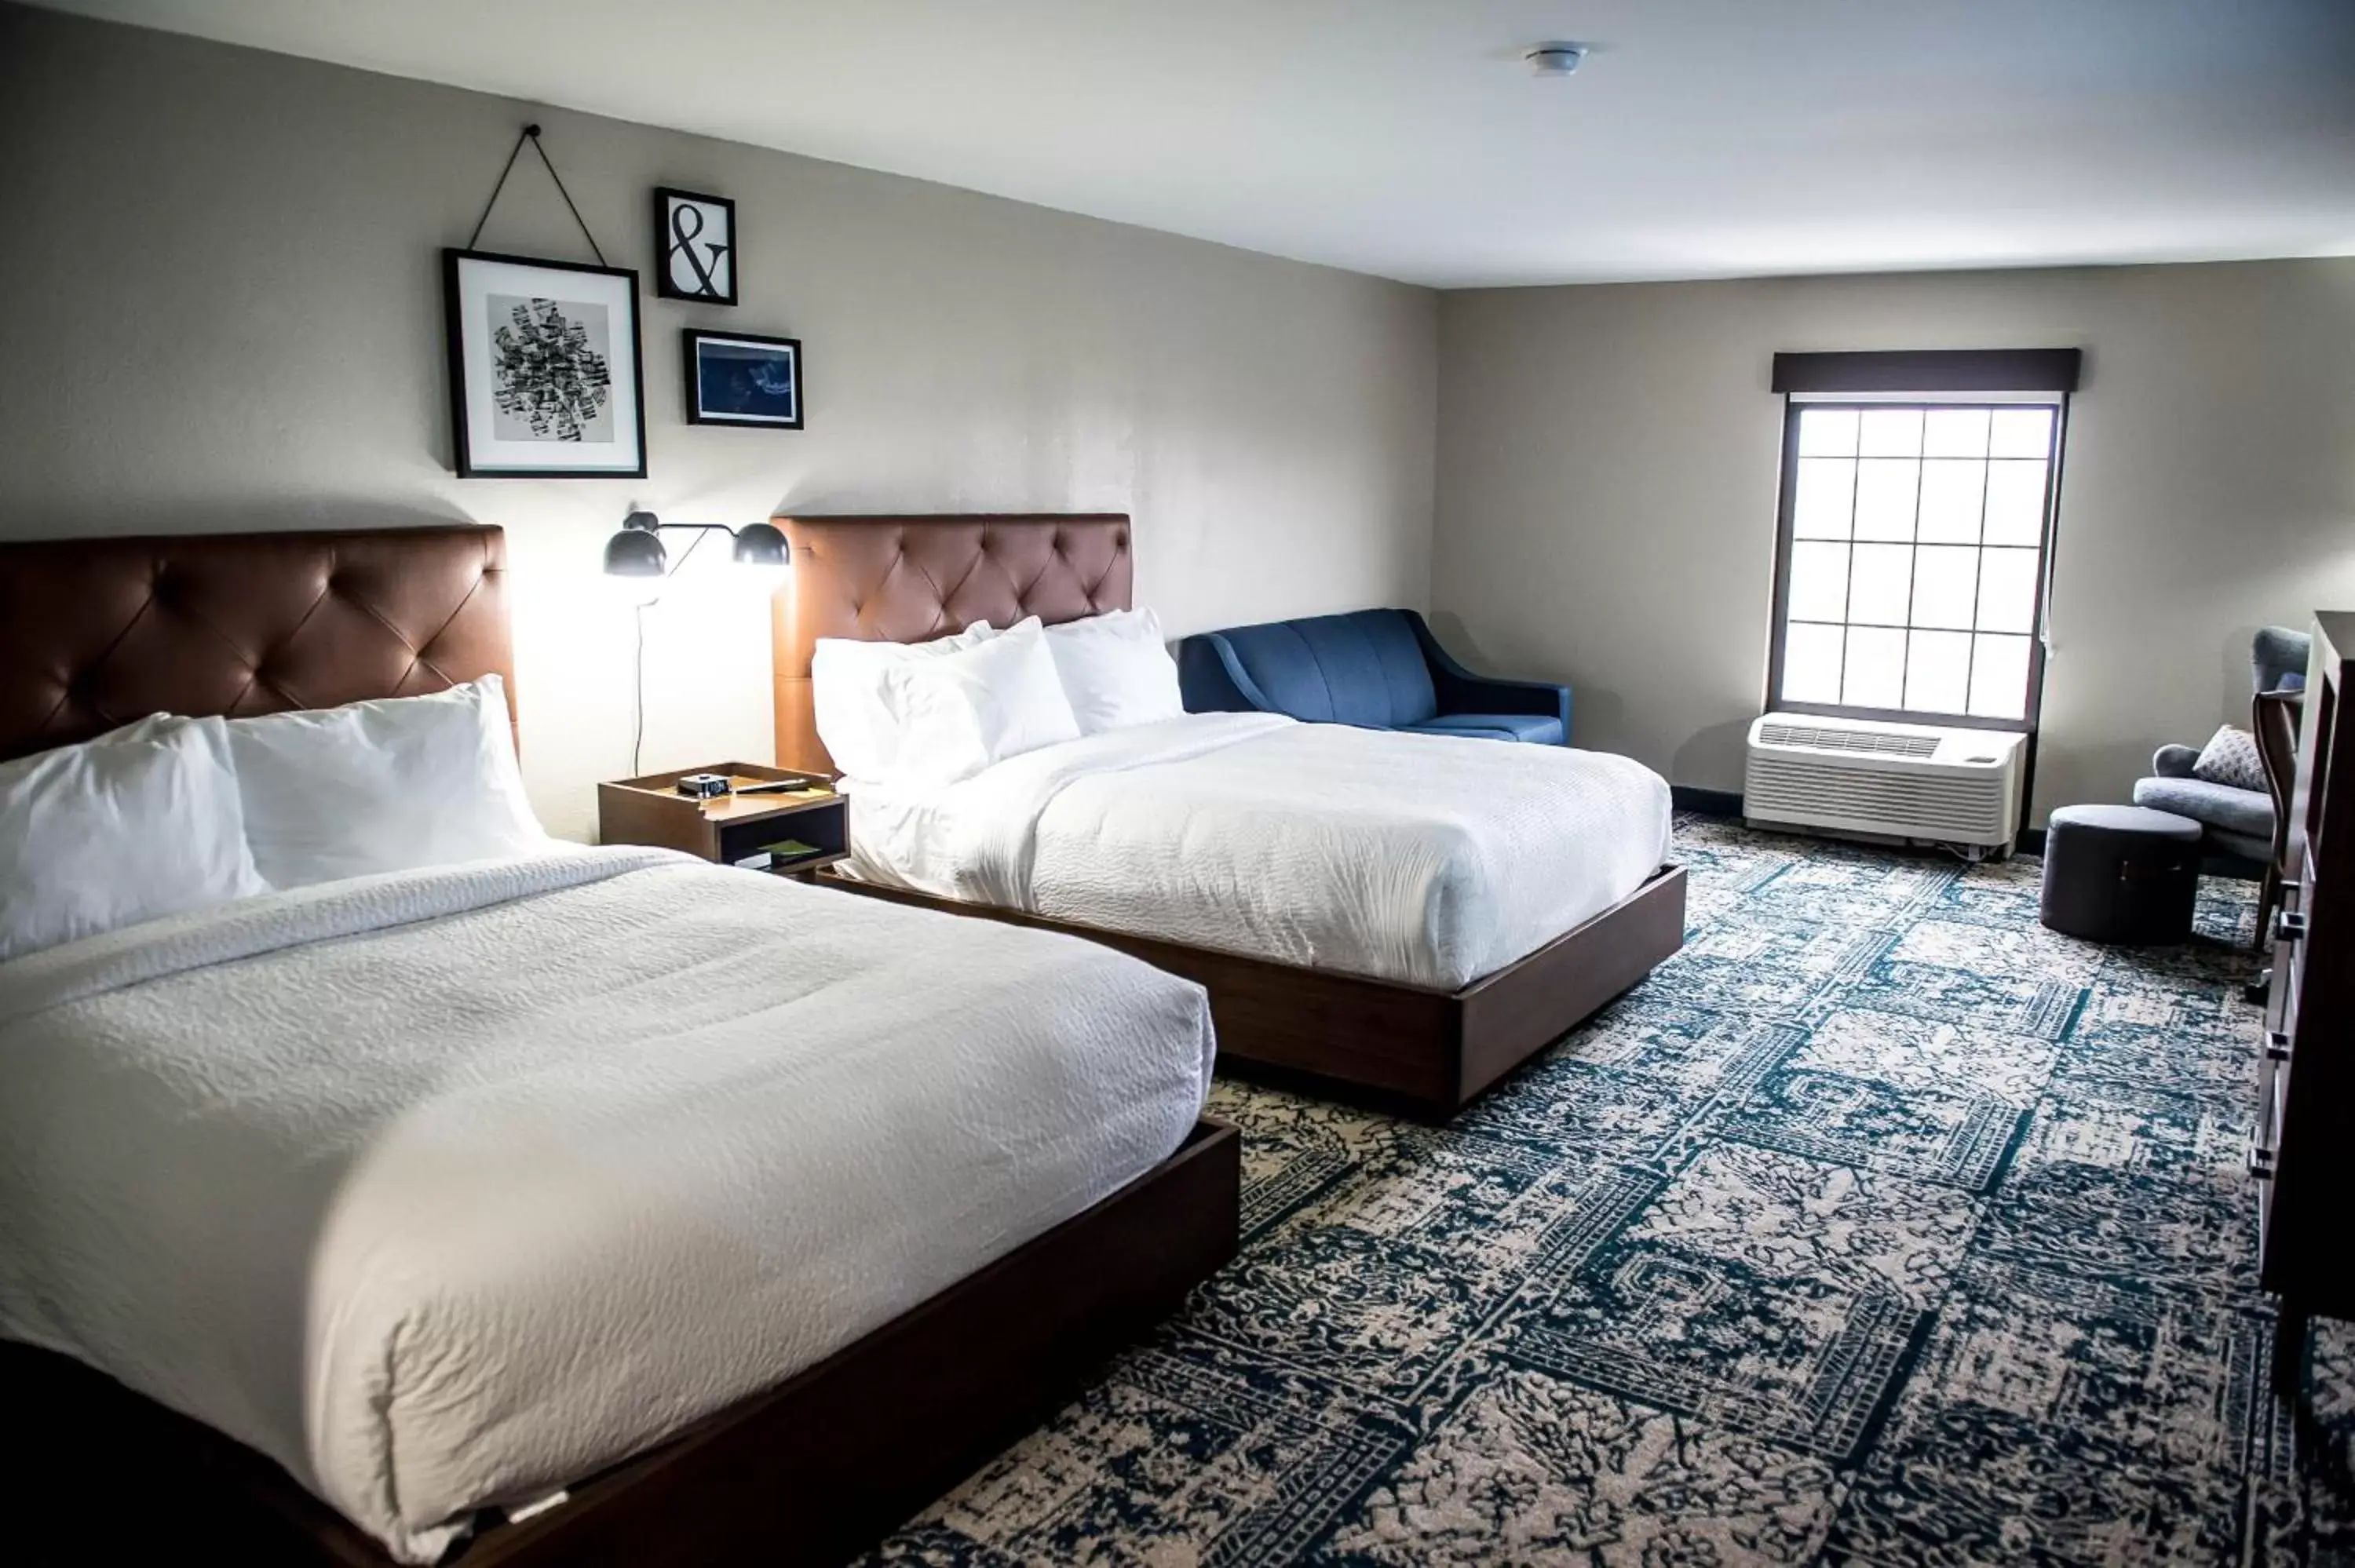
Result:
x=1422 y=1052
x=96 y=632
x=811 y=1472
x=910 y=578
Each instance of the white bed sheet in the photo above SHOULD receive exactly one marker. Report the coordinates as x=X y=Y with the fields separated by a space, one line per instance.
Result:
x=449 y=1188
x=1431 y=860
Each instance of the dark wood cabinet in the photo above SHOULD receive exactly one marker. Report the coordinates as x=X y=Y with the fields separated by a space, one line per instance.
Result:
x=2302 y=1150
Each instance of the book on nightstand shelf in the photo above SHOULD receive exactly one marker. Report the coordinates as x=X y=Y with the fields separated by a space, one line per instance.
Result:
x=782 y=855
x=770 y=819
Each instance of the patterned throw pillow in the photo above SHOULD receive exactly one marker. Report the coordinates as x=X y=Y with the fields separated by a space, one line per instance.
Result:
x=2231 y=758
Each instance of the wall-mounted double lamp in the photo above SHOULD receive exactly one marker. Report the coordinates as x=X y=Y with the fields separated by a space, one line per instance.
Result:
x=636 y=550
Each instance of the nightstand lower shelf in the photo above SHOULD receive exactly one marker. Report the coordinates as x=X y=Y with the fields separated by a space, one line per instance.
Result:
x=734 y=829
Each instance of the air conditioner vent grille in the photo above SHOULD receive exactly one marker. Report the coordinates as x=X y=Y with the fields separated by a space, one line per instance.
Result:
x=1900 y=802
x=1876 y=743
x=1843 y=776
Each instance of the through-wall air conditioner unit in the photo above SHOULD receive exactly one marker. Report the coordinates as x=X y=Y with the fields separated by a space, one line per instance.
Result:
x=1870 y=778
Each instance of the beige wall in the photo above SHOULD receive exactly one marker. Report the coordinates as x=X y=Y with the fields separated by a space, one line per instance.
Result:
x=1608 y=464
x=222 y=311
x=219 y=309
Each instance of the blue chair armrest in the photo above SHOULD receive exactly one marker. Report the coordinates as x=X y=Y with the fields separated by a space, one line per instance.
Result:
x=1460 y=691
x=1211 y=680
x=2174 y=761
x=2275 y=654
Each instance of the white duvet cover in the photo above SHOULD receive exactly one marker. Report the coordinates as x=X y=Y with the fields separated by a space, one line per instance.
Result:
x=1431 y=860
x=449 y=1188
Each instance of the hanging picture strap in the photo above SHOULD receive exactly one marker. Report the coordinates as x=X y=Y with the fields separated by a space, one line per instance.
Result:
x=531 y=134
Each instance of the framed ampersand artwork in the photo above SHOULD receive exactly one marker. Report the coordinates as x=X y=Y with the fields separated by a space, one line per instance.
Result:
x=695 y=247
x=546 y=381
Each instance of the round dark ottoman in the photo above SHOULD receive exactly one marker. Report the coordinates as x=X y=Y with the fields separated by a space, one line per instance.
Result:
x=2120 y=874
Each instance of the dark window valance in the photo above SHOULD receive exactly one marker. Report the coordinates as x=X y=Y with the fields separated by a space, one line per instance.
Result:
x=1933 y=370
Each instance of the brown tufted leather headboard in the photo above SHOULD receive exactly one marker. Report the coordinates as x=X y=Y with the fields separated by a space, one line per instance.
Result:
x=98 y=632
x=911 y=580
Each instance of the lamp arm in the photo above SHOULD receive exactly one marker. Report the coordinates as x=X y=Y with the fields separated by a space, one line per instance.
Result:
x=683 y=555
x=741 y=535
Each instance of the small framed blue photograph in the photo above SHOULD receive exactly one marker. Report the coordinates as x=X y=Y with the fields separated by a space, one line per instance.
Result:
x=736 y=379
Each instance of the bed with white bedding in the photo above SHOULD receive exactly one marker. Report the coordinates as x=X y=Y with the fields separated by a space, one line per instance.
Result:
x=449 y=1188
x=446 y=1165
x=1430 y=860
x=1408 y=916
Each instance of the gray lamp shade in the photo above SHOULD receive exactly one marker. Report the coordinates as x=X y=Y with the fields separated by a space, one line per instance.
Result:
x=757 y=544
x=634 y=553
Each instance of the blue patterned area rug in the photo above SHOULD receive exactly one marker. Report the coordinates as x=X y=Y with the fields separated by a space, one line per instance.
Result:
x=1880 y=1226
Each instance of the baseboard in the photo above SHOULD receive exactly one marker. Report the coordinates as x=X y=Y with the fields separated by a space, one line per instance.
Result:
x=1728 y=803
x=1708 y=803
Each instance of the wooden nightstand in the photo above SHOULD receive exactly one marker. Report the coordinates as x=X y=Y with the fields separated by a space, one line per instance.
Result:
x=732 y=829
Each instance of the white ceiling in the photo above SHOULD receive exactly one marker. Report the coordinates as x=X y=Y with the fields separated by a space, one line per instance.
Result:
x=1404 y=137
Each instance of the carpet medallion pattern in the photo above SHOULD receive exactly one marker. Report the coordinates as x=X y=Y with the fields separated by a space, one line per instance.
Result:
x=1880 y=1226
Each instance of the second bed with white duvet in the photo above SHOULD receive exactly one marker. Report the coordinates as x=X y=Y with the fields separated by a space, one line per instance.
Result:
x=1426 y=860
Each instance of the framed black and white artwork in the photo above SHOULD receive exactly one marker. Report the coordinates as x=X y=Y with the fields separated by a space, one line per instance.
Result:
x=695 y=247
x=737 y=378
x=545 y=368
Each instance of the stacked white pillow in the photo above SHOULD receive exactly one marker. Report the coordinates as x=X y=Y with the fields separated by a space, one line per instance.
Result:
x=1115 y=669
x=133 y=826
x=170 y=814
x=849 y=702
x=969 y=708
x=393 y=784
x=926 y=713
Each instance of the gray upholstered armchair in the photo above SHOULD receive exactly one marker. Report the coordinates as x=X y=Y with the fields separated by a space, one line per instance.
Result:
x=2239 y=821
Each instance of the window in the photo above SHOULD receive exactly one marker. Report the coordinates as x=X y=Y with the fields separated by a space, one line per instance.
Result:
x=1910 y=575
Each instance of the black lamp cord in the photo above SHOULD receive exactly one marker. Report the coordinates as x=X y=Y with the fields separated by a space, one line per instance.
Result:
x=638 y=685
x=638 y=704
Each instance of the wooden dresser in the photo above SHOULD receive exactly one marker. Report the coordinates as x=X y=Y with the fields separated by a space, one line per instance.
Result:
x=2303 y=1149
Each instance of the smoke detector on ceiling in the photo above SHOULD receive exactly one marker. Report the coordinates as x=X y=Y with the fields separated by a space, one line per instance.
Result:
x=1556 y=58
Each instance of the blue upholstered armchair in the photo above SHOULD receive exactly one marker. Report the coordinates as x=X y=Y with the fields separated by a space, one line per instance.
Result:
x=2238 y=821
x=1376 y=669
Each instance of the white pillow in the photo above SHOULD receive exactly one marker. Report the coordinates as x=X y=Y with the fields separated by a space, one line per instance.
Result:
x=854 y=717
x=133 y=826
x=394 y=784
x=1116 y=671
x=962 y=712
